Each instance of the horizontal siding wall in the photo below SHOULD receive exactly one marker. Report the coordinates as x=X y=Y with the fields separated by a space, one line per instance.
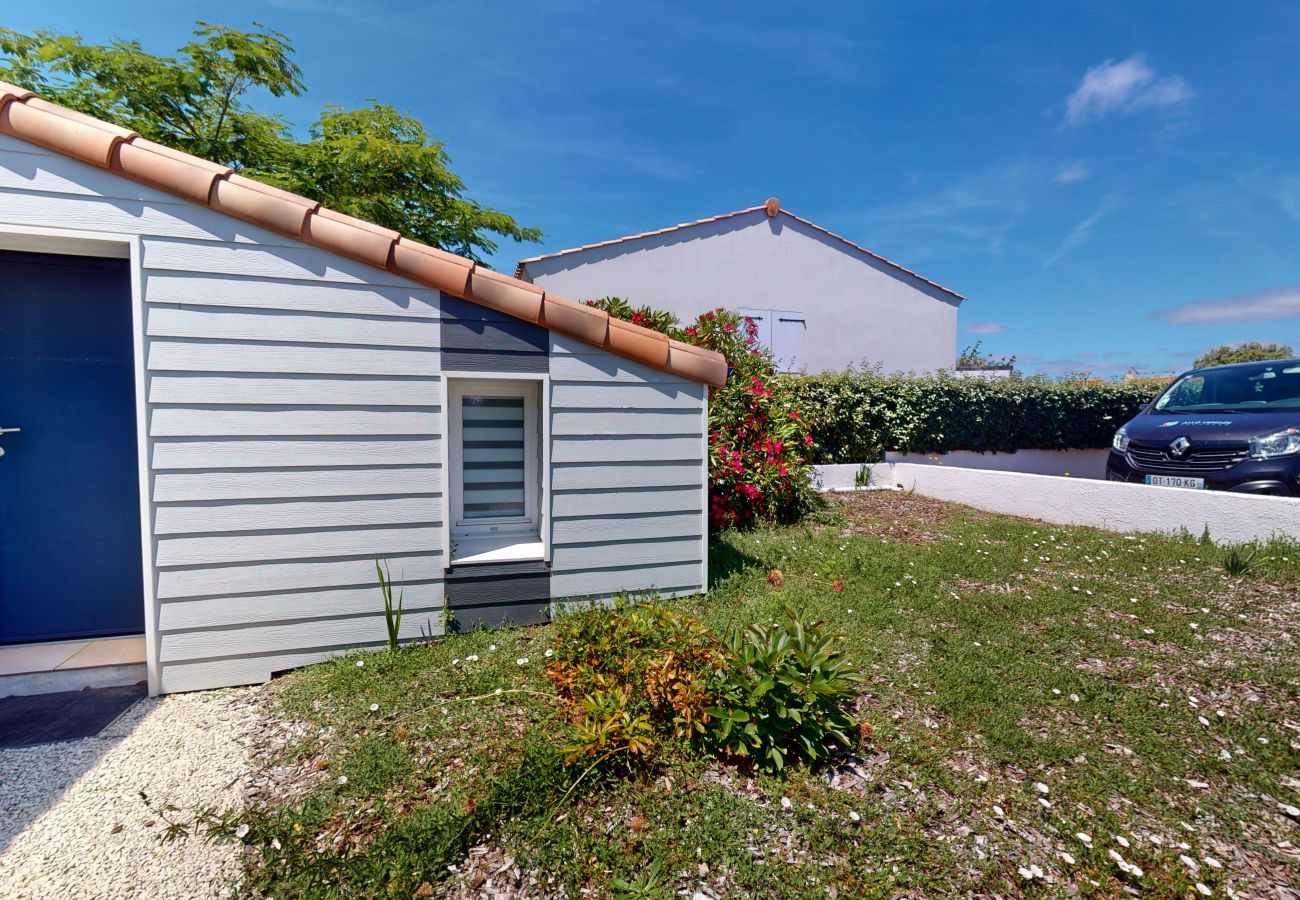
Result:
x=294 y=416
x=628 y=482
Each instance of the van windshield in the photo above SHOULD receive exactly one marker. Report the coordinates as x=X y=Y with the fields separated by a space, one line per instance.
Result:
x=1260 y=387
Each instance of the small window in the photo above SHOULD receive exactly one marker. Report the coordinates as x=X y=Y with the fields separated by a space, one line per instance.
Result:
x=494 y=482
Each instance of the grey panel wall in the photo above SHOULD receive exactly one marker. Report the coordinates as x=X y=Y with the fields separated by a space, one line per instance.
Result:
x=488 y=595
x=477 y=339
x=858 y=309
x=294 y=409
x=629 y=476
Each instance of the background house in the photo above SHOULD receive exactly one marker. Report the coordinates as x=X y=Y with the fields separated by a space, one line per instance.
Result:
x=222 y=402
x=821 y=302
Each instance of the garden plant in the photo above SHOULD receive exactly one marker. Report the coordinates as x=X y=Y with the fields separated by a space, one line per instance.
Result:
x=759 y=445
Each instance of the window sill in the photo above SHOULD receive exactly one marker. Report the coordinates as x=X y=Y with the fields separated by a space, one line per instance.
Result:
x=497 y=549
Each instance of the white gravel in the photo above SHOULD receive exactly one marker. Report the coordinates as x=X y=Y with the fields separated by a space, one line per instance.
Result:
x=73 y=822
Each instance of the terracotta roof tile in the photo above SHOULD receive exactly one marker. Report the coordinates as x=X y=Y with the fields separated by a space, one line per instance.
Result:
x=504 y=294
x=771 y=209
x=350 y=236
x=13 y=92
x=138 y=161
x=429 y=265
x=194 y=162
x=270 y=209
x=640 y=344
x=74 y=135
x=684 y=359
x=579 y=320
x=27 y=117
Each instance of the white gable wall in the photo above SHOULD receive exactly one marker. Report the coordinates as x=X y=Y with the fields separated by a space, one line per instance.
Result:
x=858 y=309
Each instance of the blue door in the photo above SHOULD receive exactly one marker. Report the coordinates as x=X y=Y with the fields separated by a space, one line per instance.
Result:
x=69 y=486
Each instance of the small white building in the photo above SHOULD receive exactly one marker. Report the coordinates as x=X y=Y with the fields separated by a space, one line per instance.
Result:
x=221 y=403
x=821 y=302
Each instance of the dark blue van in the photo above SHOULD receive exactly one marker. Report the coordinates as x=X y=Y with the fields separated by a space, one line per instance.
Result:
x=1224 y=428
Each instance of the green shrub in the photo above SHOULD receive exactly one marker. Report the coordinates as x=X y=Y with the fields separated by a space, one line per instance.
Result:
x=1240 y=560
x=759 y=444
x=628 y=676
x=634 y=679
x=854 y=416
x=785 y=694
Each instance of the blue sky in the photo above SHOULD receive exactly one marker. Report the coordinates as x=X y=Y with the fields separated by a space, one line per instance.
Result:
x=1109 y=184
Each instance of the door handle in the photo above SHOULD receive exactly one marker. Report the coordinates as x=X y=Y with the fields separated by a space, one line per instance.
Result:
x=9 y=430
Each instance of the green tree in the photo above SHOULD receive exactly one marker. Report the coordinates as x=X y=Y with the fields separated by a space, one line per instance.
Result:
x=371 y=162
x=973 y=358
x=1252 y=351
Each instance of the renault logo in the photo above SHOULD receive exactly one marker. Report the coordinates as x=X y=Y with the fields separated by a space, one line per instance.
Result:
x=1180 y=446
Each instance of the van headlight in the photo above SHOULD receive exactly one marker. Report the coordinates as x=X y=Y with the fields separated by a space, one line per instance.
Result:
x=1281 y=443
x=1120 y=440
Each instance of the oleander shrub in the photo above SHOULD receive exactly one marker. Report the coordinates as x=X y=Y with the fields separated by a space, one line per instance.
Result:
x=759 y=445
x=634 y=680
x=854 y=416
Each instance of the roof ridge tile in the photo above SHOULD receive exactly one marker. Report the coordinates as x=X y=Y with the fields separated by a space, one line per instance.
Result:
x=270 y=209
x=429 y=265
x=29 y=118
x=350 y=236
x=139 y=162
x=70 y=135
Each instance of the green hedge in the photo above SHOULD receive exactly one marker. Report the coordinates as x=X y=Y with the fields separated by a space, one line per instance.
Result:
x=855 y=416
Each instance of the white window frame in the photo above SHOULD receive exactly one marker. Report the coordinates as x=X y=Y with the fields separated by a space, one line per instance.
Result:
x=503 y=539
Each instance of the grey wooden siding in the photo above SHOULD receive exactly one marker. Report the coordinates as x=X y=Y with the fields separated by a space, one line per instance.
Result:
x=628 y=482
x=293 y=403
x=294 y=410
x=476 y=339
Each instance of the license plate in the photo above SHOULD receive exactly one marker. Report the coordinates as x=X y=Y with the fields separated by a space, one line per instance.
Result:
x=1176 y=481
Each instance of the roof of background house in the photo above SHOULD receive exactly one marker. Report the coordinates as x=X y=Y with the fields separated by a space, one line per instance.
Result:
x=27 y=117
x=772 y=207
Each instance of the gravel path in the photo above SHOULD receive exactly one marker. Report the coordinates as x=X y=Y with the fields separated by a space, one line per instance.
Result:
x=73 y=822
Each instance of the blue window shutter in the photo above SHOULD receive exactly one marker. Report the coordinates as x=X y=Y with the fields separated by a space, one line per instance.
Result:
x=763 y=319
x=787 y=339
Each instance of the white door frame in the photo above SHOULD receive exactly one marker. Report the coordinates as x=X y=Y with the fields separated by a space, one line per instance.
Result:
x=71 y=242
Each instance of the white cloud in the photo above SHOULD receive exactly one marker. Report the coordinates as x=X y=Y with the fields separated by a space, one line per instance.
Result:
x=1288 y=195
x=1072 y=172
x=1260 y=306
x=986 y=328
x=1126 y=86
x=1080 y=233
x=979 y=210
x=1086 y=362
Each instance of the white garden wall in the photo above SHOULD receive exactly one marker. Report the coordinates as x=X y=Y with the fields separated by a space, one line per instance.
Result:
x=1114 y=506
x=1072 y=463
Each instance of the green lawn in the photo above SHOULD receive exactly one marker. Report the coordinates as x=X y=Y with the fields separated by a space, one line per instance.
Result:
x=1029 y=686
